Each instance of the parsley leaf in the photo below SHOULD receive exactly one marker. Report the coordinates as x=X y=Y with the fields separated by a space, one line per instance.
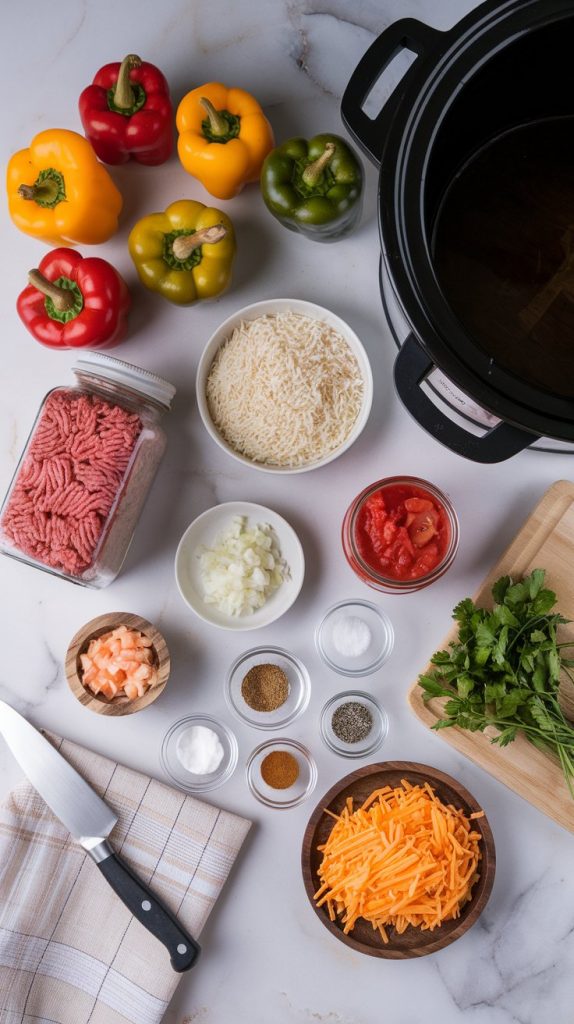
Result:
x=504 y=669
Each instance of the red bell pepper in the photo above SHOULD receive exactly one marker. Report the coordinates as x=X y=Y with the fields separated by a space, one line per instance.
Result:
x=72 y=302
x=127 y=113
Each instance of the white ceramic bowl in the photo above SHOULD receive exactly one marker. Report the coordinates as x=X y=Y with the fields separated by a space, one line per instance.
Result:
x=251 y=312
x=203 y=531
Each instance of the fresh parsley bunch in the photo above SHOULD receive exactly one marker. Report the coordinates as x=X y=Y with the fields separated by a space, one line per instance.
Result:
x=504 y=670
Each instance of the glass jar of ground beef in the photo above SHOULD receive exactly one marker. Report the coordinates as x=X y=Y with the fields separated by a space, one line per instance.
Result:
x=400 y=534
x=85 y=472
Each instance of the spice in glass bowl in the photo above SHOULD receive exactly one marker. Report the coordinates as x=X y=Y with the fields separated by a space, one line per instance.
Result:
x=281 y=773
x=352 y=722
x=280 y=769
x=199 y=750
x=265 y=687
x=354 y=637
x=351 y=636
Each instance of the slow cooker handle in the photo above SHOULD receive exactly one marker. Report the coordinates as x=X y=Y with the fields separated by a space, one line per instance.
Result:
x=408 y=34
x=501 y=442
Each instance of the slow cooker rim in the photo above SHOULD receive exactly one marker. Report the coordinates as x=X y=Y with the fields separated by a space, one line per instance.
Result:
x=403 y=237
x=466 y=417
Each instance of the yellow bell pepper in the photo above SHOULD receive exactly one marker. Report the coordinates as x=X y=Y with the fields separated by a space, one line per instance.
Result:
x=186 y=253
x=224 y=138
x=59 y=192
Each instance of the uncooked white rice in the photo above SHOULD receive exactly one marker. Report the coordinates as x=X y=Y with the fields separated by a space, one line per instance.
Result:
x=285 y=390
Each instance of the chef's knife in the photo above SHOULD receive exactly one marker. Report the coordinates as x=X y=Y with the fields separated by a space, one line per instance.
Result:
x=90 y=822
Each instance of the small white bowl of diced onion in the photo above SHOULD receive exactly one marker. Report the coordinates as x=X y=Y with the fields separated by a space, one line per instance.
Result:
x=239 y=566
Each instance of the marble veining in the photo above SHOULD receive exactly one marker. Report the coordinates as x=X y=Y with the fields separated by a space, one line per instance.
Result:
x=266 y=956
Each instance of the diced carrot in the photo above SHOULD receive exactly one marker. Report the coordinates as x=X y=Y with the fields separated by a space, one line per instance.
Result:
x=119 y=663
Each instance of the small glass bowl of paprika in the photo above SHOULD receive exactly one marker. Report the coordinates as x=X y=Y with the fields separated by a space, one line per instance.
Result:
x=281 y=773
x=400 y=534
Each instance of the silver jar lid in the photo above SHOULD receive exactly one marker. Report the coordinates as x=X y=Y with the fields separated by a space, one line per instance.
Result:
x=133 y=377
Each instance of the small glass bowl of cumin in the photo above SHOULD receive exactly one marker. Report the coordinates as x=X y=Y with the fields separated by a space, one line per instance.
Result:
x=267 y=687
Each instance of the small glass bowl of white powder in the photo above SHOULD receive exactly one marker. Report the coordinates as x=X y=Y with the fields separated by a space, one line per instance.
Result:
x=199 y=753
x=355 y=637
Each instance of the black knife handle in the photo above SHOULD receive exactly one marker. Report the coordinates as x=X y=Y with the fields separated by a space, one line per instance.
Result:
x=151 y=912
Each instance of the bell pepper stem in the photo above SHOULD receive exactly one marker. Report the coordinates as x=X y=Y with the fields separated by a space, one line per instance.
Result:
x=217 y=123
x=313 y=171
x=184 y=245
x=63 y=300
x=47 y=191
x=123 y=93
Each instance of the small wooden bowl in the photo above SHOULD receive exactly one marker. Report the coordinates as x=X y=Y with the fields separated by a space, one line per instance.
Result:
x=359 y=785
x=79 y=645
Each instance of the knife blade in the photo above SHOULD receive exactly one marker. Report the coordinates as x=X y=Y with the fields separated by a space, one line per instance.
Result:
x=90 y=821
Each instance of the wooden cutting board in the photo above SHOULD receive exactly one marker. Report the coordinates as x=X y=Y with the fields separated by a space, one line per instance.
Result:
x=546 y=541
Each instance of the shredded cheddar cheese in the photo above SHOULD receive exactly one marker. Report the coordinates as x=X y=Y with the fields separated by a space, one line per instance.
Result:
x=403 y=858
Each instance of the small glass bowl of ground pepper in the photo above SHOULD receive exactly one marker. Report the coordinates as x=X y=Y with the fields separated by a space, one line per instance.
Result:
x=281 y=773
x=267 y=687
x=353 y=724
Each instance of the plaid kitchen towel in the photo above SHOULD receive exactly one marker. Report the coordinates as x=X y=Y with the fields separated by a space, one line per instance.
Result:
x=70 y=952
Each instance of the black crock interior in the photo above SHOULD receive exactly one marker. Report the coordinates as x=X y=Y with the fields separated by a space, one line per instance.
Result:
x=485 y=80
x=527 y=80
x=500 y=243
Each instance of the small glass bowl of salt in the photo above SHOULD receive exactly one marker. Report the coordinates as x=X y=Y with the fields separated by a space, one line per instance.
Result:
x=199 y=753
x=355 y=637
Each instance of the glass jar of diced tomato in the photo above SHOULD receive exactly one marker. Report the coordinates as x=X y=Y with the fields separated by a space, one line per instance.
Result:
x=400 y=534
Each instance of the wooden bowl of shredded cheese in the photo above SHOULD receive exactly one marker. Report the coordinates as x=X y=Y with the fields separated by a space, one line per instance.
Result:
x=398 y=860
x=284 y=386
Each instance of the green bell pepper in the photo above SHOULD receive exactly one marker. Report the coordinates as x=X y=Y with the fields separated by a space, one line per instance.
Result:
x=314 y=187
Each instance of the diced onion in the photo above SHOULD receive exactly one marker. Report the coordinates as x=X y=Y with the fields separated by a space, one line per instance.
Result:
x=243 y=568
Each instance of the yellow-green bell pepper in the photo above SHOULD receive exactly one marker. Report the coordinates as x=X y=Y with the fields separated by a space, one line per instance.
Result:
x=186 y=253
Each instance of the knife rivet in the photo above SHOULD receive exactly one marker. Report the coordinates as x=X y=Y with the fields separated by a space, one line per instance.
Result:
x=146 y=905
x=181 y=948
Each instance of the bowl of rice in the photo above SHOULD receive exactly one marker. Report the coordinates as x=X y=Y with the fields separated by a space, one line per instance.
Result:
x=284 y=386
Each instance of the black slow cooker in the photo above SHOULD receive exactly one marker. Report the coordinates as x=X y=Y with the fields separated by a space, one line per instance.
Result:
x=505 y=68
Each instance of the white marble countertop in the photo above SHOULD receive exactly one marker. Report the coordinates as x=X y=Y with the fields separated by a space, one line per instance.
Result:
x=266 y=955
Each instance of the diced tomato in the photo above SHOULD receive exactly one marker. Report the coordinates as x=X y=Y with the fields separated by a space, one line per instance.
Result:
x=402 y=532
x=426 y=561
x=424 y=527
x=389 y=531
x=418 y=505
